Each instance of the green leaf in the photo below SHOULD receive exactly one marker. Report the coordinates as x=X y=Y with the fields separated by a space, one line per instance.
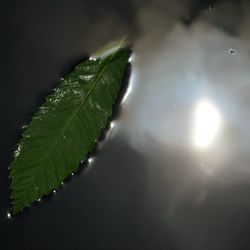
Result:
x=66 y=128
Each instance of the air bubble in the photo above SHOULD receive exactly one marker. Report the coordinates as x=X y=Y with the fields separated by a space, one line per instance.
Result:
x=9 y=215
x=54 y=191
x=232 y=51
x=72 y=174
x=90 y=160
x=112 y=124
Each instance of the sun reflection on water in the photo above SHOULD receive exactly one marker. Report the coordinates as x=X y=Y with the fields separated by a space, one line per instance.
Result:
x=207 y=123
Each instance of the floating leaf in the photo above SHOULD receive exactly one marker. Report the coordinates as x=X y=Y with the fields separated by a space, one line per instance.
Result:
x=66 y=127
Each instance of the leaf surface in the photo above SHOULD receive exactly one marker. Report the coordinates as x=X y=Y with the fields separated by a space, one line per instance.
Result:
x=66 y=128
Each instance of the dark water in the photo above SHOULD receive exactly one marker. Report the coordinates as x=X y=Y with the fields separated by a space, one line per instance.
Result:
x=173 y=172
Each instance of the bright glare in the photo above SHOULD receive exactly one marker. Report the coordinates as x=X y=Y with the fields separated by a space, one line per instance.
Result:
x=207 y=121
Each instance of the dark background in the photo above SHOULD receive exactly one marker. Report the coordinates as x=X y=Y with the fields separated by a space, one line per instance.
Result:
x=106 y=207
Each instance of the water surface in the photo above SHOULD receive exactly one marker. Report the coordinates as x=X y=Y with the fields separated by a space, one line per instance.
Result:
x=173 y=171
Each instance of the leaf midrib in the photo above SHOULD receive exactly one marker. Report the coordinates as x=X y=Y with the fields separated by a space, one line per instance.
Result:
x=80 y=105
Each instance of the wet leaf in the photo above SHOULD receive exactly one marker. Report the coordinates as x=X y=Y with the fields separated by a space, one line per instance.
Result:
x=66 y=127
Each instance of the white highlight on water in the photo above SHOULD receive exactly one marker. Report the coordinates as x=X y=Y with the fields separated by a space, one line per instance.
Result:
x=207 y=122
x=9 y=215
